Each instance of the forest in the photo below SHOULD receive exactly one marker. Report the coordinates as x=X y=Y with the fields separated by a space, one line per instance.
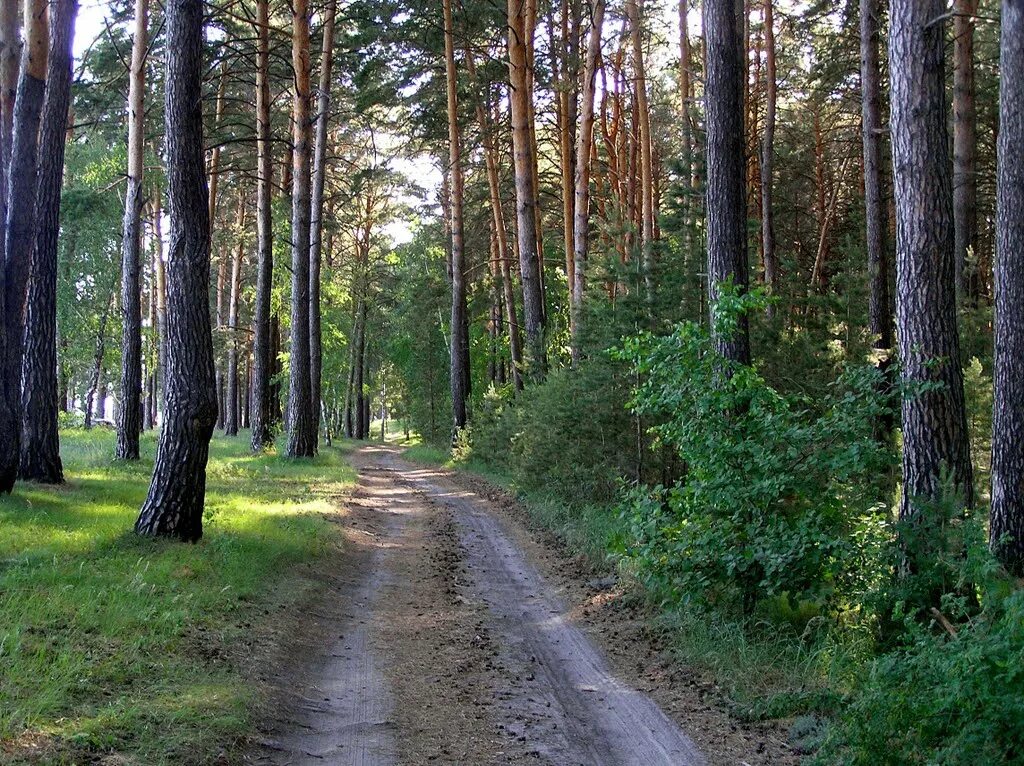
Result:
x=379 y=379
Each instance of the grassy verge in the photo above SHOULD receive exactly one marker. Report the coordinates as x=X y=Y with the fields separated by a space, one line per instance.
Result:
x=114 y=644
x=766 y=669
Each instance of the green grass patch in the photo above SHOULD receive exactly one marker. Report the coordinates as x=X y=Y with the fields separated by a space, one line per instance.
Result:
x=112 y=643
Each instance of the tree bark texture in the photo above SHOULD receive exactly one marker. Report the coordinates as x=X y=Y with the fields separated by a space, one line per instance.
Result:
x=174 y=505
x=771 y=263
x=40 y=444
x=726 y=167
x=231 y=399
x=965 y=148
x=935 y=442
x=1006 y=522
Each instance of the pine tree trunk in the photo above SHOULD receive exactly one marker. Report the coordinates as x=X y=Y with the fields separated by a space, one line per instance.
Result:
x=10 y=49
x=934 y=420
x=95 y=379
x=301 y=436
x=174 y=505
x=40 y=445
x=726 y=169
x=520 y=42
x=643 y=123
x=20 y=229
x=231 y=398
x=263 y=360
x=965 y=147
x=584 y=147
x=128 y=425
x=771 y=263
x=459 y=370
x=1006 y=522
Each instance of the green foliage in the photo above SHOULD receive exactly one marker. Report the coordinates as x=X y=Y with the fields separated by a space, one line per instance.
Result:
x=776 y=500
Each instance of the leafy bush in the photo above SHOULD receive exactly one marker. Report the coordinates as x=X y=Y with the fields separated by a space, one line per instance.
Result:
x=776 y=500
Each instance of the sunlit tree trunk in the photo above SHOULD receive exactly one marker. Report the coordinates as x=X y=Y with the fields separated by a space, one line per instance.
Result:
x=231 y=399
x=1006 y=522
x=177 y=491
x=128 y=425
x=40 y=446
x=935 y=445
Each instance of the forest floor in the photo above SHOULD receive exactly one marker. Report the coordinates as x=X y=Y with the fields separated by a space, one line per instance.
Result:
x=446 y=630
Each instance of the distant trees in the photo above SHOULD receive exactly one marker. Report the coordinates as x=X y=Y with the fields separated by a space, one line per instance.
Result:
x=174 y=505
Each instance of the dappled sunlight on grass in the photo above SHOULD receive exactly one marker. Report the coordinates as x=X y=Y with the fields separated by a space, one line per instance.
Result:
x=108 y=641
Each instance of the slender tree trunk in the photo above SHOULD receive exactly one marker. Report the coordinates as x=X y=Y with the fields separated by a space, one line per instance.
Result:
x=316 y=217
x=128 y=425
x=40 y=445
x=934 y=420
x=301 y=436
x=965 y=147
x=231 y=398
x=1006 y=522
x=584 y=147
x=20 y=229
x=566 y=67
x=174 y=505
x=263 y=360
x=771 y=263
x=726 y=169
x=643 y=113
x=459 y=372
x=161 y=282
x=10 y=49
x=97 y=368
x=875 y=212
x=520 y=42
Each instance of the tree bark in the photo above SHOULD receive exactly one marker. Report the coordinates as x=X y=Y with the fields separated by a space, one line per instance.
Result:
x=965 y=147
x=726 y=168
x=520 y=42
x=459 y=370
x=231 y=397
x=934 y=420
x=262 y=359
x=301 y=436
x=771 y=263
x=128 y=425
x=174 y=505
x=10 y=48
x=316 y=217
x=20 y=229
x=40 y=445
x=584 y=147
x=1006 y=521
x=643 y=124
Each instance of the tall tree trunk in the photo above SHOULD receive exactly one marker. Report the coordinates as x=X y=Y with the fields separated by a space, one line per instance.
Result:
x=20 y=229
x=875 y=212
x=263 y=361
x=584 y=147
x=161 y=282
x=934 y=420
x=94 y=387
x=128 y=425
x=40 y=445
x=566 y=69
x=174 y=505
x=643 y=114
x=1006 y=522
x=771 y=263
x=10 y=49
x=965 y=147
x=316 y=217
x=231 y=397
x=726 y=168
x=459 y=371
x=301 y=436
x=520 y=42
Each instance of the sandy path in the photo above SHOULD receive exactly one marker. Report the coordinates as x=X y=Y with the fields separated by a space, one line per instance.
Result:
x=442 y=641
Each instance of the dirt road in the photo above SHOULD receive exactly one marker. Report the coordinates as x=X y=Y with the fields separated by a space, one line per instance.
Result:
x=451 y=636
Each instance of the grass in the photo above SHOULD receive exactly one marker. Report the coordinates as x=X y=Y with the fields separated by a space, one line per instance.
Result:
x=114 y=644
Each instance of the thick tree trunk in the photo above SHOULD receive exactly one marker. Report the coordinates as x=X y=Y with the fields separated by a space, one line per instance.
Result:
x=20 y=229
x=771 y=263
x=875 y=212
x=40 y=445
x=934 y=420
x=1006 y=522
x=316 y=217
x=231 y=397
x=726 y=169
x=262 y=359
x=459 y=370
x=520 y=43
x=128 y=425
x=584 y=149
x=10 y=49
x=174 y=505
x=965 y=147
x=301 y=436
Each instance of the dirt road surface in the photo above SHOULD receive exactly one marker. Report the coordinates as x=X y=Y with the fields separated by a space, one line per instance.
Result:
x=451 y=635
